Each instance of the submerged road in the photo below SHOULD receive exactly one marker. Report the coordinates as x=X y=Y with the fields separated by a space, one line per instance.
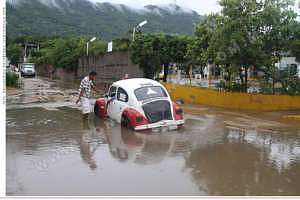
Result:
x=218 y=152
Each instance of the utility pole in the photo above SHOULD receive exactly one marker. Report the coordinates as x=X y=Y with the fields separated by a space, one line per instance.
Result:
x=140 y=25
x=133 y=34
x=25 y=54
x=87 y=45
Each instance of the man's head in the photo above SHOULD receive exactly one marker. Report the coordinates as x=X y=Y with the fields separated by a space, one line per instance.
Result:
x=92 y=75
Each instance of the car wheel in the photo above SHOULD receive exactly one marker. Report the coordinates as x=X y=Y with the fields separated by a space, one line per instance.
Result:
x=126 y=123
x=96 y=110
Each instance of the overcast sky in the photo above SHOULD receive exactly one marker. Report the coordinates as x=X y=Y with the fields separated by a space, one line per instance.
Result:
x=201 y=6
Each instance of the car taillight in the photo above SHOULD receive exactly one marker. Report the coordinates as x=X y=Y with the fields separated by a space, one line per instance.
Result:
x=139 y=119
x=179 y=111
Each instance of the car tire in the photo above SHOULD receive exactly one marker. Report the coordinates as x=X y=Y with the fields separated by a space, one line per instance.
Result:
x=126 y=123
x=96 y=110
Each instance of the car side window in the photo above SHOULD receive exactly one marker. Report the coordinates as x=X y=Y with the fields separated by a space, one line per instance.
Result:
x=112 y=91
x=122 y=95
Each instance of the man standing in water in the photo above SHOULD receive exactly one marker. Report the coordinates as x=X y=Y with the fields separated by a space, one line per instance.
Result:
x=85 y=94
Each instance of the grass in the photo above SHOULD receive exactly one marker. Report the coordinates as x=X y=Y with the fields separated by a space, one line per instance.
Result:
x=12 y=80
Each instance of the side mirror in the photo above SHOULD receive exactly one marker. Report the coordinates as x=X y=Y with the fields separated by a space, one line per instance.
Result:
x=105 y=95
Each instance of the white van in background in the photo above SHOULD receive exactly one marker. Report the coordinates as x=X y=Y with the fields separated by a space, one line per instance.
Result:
x=28 y=70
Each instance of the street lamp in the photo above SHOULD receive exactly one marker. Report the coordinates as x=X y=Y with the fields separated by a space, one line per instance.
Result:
x=87 y=45
x=140 y=25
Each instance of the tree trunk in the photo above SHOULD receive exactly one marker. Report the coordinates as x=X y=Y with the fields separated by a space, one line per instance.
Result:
x=273 y=85
x=246 y=80
x=229 y=80
x=242 y=81
x=166 y=72
x=148 y=73
x=202 y=71
x=190 y=74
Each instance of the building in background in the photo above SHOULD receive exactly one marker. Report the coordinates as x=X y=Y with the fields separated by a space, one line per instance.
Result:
x=289 y=63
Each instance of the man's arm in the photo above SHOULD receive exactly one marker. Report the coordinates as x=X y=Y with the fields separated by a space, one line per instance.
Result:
x=80 y=95
x=94 y=87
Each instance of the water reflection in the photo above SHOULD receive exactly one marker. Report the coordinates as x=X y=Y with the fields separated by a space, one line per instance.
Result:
x=282 y=150
x=248 y=163
x=127 y=145
x=142 y=147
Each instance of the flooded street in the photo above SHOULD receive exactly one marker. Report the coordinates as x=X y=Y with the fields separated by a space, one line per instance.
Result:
x=218 y=152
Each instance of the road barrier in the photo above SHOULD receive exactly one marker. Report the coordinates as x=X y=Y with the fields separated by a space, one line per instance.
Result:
x=233 y=100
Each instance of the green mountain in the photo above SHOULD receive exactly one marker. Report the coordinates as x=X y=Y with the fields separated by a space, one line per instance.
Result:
x=83 y=17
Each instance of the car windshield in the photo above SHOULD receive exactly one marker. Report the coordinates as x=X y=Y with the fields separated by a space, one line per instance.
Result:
x=28 y=66
x=151 y=92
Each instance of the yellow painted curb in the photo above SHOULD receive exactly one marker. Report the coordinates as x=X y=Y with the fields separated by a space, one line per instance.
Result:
x=292 y=117
x=233 y=100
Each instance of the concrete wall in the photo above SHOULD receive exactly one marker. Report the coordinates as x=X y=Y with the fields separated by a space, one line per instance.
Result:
x=232 y=100
x=109 y=67
x=55 y=73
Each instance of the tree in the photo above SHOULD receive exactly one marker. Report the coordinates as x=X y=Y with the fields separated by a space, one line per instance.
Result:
x=14 y=53
x=67 y=52
x=151 y=51
x=97 y=47
x=276 y=28
x=173 y=50
x=121 y=44
x=238 y=31
x=246 y=34
x=144 y=52
x=199 y=50
x=294 y=43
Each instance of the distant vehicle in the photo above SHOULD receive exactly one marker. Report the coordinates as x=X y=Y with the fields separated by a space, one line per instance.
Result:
x=161 y=75
x=254 y=90
x=8 y=69
x=28 y=69
x=140 y=104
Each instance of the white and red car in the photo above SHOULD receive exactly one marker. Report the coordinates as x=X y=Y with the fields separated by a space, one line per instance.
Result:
x=140 y=104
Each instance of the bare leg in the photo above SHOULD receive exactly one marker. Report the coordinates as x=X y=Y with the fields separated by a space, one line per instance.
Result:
x=85 y=121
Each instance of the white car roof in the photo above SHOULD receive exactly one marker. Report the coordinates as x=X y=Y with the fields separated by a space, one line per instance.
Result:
x=132 y=84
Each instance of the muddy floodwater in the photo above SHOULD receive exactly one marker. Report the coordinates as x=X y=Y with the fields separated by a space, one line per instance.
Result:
x=50 y=151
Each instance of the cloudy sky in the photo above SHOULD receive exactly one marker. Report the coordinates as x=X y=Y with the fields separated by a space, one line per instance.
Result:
x=201 y=6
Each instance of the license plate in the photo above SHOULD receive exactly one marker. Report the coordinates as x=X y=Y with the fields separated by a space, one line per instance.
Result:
x=172 y=127
x=156 y=130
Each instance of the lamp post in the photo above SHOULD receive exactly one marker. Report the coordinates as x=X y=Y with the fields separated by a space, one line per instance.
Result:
x=87 y=45
x=140 y=25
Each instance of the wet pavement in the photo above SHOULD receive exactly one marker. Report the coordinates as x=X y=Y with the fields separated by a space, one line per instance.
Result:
x=50 y=151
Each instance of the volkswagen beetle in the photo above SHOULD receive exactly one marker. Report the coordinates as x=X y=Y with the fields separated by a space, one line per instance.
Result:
x=140 y=104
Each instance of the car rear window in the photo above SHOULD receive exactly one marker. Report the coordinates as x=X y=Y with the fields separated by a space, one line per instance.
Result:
x=150 y=92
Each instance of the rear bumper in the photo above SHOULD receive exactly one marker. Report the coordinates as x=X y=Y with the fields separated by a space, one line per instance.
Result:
x=170 y=124
x=28 y=73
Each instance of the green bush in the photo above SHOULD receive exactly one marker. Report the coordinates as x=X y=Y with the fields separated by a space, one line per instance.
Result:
x=12 y=80
x=237 y=87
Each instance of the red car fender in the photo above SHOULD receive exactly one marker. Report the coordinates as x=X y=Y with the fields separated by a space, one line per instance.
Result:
x=178 y=112
x=101 y=103
x=135 y=117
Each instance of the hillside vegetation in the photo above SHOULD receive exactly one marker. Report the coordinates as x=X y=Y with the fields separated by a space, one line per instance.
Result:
x=105 y=20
